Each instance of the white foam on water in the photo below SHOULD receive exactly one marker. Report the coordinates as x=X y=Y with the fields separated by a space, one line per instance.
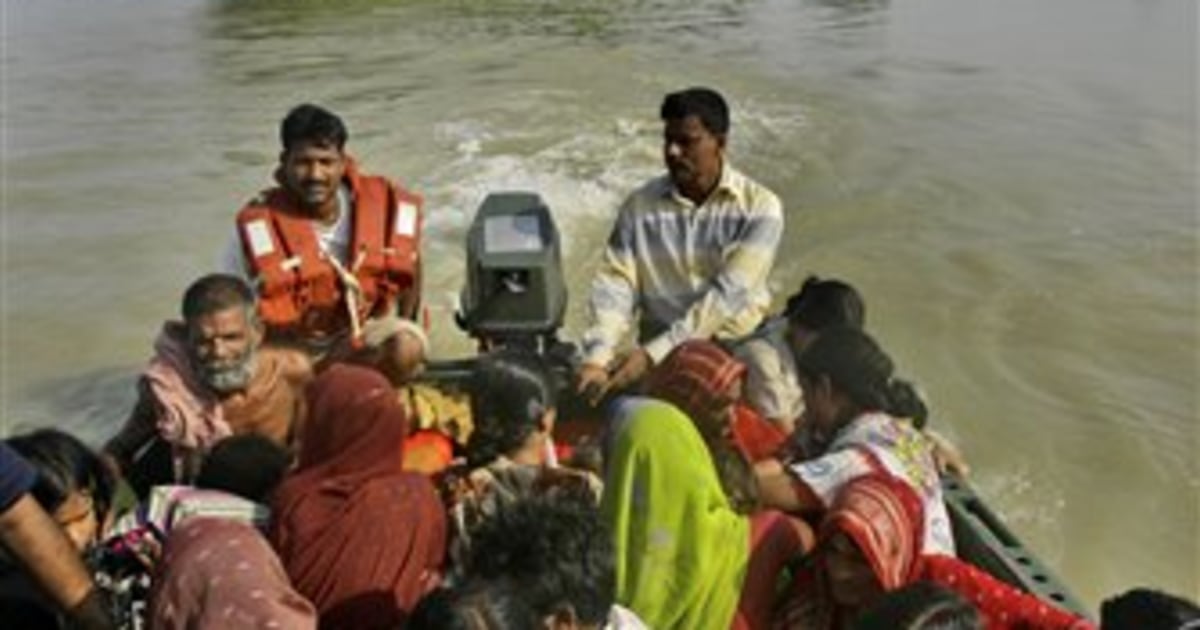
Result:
x=582 y=178
x=1024 y=500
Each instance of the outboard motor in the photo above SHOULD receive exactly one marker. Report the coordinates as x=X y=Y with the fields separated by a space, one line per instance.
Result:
x=515 y=296
x=514 y=293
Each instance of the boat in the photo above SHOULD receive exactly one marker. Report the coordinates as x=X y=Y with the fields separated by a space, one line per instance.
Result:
x=982 y=538
x=515 y=295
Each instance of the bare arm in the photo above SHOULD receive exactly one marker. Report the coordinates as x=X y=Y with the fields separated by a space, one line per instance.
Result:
x=44 y=552
x=779 y=489
x=300 y=375
x=138 y=430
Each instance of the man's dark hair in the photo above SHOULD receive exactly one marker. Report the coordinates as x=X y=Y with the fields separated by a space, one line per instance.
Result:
x=249 y=465
x=826 y=303
x=312 y=124
x=216 y=292
x=921 y=606
x=557 y=548
x=1148 y=609
x=704 y=103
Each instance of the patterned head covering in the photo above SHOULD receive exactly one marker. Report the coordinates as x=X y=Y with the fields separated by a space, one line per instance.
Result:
x=696 y=377
x=217 y=574
x=884 y=517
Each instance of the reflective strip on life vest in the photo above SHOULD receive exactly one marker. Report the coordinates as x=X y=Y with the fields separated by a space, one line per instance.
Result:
x=259 y=237
x=407 y=215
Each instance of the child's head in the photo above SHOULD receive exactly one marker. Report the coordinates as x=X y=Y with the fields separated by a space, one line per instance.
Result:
x=558 y=549
x=72 y=485
x=249 y=465
x=513 y=405
x=822 y=304
x=476 y=605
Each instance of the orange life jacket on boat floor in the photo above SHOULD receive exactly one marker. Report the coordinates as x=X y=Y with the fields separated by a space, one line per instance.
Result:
x=300 y=289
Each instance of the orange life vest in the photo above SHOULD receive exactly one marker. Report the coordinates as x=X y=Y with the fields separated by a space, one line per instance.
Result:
x=300 y=291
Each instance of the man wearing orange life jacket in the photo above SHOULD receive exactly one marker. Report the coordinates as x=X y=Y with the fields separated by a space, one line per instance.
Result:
x=330 y=246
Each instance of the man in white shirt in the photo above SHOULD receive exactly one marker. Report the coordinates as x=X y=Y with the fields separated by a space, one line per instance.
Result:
x=689 y=254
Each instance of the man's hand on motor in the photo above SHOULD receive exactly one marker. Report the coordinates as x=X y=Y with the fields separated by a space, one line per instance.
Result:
x=630 y=370
x=592 y=383
x=595 y=382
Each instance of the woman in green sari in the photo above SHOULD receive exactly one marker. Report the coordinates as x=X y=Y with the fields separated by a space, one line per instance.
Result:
x=677 y=562
x=686 y=558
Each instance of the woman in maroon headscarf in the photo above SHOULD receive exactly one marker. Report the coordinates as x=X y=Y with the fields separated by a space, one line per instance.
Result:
x=360 y=537
x=870 y=545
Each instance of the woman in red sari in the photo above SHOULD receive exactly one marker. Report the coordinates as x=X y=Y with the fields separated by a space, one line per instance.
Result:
x=359 y=537
x=869 y=544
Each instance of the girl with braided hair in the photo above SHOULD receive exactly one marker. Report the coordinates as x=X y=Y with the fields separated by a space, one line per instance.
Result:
x=858 y=419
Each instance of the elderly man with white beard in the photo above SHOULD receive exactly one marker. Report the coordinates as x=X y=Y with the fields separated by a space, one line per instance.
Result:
x=209 y=378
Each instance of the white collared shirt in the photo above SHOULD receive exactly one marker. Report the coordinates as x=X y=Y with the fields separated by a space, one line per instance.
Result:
x=685 y=270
